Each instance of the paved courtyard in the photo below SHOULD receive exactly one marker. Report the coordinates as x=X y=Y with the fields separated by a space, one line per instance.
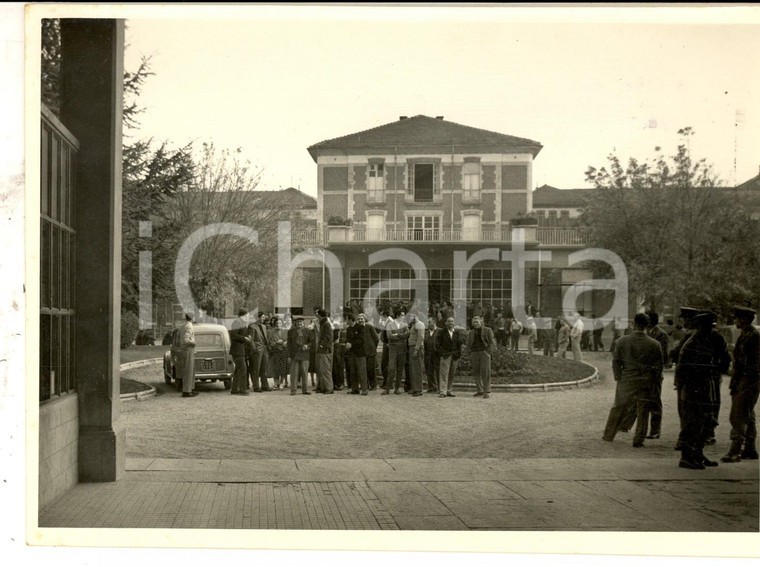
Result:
x=515 y=462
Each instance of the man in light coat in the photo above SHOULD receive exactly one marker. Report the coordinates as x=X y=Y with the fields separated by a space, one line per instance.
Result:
x=576 y=334
x=188 y=357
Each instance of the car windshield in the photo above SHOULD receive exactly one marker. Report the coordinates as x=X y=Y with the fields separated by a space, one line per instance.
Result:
x=213 y=340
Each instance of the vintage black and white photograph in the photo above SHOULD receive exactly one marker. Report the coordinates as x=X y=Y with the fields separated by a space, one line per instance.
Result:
x=410 y=273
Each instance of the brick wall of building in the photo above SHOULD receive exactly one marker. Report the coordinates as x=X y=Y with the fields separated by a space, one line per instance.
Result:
x=59 y=436
x=488 y=204
x=335 y=205
x=489 y=177
x=512 y=204
x=334 y=178
x=359 y=178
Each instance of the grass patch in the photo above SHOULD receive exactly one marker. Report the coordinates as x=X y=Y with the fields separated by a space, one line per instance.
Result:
x=128 y=386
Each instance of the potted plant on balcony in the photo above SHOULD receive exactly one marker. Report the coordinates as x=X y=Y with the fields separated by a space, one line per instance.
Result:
x=338 y=229
x=526 y=222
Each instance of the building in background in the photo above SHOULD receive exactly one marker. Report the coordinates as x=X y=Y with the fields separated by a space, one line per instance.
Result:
x=430 y=187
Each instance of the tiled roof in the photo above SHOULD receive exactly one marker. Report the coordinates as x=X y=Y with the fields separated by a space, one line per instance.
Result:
x=424 y=131
x=291 y=197
x=547 y=197
x=752 y=184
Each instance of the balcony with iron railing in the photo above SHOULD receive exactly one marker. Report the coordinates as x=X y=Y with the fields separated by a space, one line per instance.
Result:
x=347 y=235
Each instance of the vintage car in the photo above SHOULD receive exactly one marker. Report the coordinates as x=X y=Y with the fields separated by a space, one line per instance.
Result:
x=213 y=361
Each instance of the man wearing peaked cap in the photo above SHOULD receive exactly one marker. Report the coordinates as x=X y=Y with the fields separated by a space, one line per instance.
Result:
x=721 y=363
x=687 y=315
x=695 y=374
x=744 y=388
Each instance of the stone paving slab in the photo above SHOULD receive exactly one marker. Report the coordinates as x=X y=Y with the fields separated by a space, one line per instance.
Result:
x=417 y=494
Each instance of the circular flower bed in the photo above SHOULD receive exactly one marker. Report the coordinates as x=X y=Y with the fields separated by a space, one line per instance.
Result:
x=509 y=367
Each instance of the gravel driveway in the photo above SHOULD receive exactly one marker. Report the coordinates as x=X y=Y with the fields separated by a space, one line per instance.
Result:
x=216 y=425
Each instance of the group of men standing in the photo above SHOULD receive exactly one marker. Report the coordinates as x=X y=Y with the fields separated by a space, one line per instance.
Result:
x=701 y=357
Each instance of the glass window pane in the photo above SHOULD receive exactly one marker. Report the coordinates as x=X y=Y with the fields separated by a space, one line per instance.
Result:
x=44 y=357
x=45 y=171
x=55 y=354
x=64 y=182
x=65 y=271
x=55 y=276
x=45 y=265
x=55 y=174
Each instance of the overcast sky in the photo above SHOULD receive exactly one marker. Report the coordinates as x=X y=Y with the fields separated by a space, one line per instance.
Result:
x=275 y=85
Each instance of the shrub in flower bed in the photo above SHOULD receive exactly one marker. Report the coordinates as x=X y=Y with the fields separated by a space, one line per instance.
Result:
x=509 y=367
x=128 y=386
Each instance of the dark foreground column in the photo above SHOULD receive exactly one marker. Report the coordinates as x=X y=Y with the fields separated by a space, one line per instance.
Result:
x=92 y=61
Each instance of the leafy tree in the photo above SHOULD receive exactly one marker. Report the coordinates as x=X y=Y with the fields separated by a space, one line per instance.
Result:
x=225 y=268
x=51 y=64
x=680 y=233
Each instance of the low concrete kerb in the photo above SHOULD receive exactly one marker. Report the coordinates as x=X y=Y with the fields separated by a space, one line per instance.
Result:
x=145 y=393
x=546 y=387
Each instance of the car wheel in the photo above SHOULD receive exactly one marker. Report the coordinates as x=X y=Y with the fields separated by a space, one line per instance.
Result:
x=227 y=384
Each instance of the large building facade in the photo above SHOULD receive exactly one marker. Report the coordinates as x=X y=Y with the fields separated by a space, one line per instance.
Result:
x=405 y=207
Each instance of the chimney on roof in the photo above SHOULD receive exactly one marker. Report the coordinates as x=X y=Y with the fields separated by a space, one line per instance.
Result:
x=403 y=117
x=439 y=117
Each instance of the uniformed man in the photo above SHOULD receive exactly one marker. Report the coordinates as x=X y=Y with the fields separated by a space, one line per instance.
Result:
x=687 y=316
x=722 y=362
x=695 y=377
x=744 y=388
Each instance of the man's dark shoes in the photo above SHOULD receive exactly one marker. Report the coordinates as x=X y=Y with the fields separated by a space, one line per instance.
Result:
x=708 y=463
x=477 y=394
x=307 y=393
x=749 y=455
x=416 y=394
x=685 y=464
x=189 y=394
x=450 y=395
x=731 y=458
x=653 y=436
x=486 y=396
x=638 y=444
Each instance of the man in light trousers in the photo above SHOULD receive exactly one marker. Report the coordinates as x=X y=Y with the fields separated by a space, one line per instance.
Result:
x=188 y=357
x=576 y=333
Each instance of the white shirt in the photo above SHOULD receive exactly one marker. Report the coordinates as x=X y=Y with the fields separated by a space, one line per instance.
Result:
x=577 y=329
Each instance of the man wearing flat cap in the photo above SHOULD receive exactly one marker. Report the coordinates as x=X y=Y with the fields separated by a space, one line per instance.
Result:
x=744 y=388
x=695 y=378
